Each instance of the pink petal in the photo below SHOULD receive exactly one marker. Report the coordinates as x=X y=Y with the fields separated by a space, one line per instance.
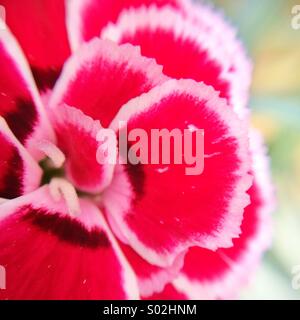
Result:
x=77 y=138
x=159 y=209
x=40 y=29
x=86 y=18
x=151 y=279
x=20 y=104
x=19 y=173
x=102 y=76
x=169 y=293
x=51 y=255
x=221 y=274
x=187 y=49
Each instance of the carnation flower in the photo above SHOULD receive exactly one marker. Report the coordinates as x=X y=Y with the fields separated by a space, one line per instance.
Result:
x=75 y=227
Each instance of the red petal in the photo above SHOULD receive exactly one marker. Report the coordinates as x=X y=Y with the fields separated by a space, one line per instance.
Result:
x=220 y=274
x=151 y=279
x=77 y=138
x=20 y=104
x=40 y=29
x=169 y=293
x=103 y=76
x=51 y=255
x=19 y=173
x=159 y=209
x=86 y=18
x=187 y=50
x=213 y=21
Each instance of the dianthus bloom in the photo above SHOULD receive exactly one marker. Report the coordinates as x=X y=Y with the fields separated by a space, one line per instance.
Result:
x=73 y=227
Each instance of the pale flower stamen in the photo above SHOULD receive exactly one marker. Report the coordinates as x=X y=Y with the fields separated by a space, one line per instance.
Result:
x=59 y=188
x=52 y=152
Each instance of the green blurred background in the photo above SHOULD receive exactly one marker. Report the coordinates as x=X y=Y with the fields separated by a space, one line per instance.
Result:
x=265 y=28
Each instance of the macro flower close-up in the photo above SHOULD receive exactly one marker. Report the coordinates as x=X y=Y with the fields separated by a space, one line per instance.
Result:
x=89 y=207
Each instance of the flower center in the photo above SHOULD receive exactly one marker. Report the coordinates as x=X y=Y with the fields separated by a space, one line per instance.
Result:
x=54 y=176
x=50 y=171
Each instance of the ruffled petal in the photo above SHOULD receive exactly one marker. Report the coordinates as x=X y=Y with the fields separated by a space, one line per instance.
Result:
x=102 y=76
x=187 y=49
x=212 y=20
x=169 y=293
x=50 y=255
x=20 y=104
x=19 y=173
x=221 y=274
x=151 y=279
x=40 y=29
x=86 y=18
x=160 y=210
x=77 y=139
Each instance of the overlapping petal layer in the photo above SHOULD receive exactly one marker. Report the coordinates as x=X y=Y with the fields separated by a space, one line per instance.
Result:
x=41 y=31
x=186 y=49
x=221 y=274
x=19 y=173
x=20 y=104
x=51 y=255
x=102 y=76
x=151 y=278
x=77 y=138
x=154 y=206
x=211 y=20
x=86 y=18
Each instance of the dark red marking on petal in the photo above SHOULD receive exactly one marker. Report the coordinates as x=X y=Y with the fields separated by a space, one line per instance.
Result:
x=65 y=228
x=11 y=171
x=136 y=175
x=20 y=103
x=16 y=102
x=22 y=119
x=45 y=79
x=19 y=173
x=42 y=266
